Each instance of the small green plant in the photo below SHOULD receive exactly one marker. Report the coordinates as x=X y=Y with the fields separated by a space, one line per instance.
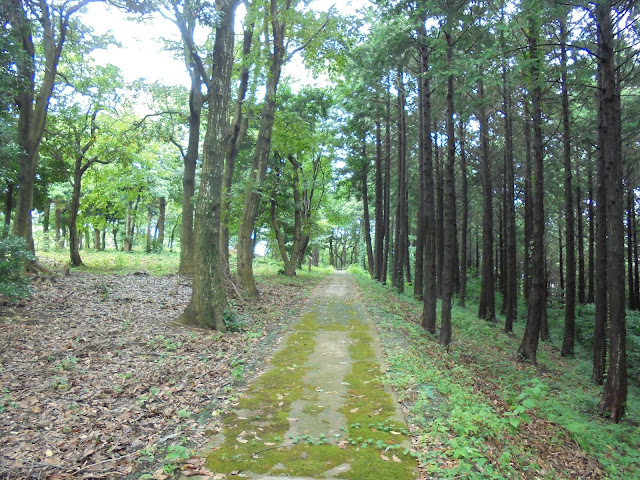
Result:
x=233 y=321
x=60 y=383
x=237 y=366
x=176 y=455
x=14 y=253
x=69 y=363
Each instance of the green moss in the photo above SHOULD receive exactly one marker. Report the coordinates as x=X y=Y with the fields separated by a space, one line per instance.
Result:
x=255 y=435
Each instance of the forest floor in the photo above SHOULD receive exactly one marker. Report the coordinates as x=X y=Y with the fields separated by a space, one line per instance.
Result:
x=98 y=382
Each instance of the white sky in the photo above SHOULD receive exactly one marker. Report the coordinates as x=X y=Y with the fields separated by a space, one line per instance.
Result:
x=142 y=54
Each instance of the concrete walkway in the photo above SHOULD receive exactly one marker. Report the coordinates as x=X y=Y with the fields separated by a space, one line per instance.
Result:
x=320 y=410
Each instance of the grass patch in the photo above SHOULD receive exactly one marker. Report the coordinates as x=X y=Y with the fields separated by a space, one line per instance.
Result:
x=483 y=414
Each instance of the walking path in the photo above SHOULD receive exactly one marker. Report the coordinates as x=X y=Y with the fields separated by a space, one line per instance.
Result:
x=320 y=410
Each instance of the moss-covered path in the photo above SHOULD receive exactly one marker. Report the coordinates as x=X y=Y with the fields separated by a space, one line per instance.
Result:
x=320 y=410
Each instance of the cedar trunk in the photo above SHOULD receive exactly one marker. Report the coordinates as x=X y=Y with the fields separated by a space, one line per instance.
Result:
x=614 y=397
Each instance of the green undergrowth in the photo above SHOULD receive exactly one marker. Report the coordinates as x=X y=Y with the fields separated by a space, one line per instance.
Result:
x=473 y=403
x=371 y=444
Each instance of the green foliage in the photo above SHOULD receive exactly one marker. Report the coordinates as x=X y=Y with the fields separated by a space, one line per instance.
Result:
x=14 y=252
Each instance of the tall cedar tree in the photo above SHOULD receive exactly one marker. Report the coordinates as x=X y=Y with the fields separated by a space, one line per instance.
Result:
x=401 y=198
x=449 y=233
x=430 y=293
x=487 y=307
x=380 y=232
x=536 y=307
x=462 y=295
x=570 y=290
x=614 y=397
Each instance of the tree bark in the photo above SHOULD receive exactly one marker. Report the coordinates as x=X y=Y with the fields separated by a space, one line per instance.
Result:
x=238 y=131
x=462 y=295
x=387 y=188
x=379 y=204
x=570 y=291
x=74 y=251
x=401 y=207
x=592 y=240
x=8 y=204
x=208 y=300
x=528 y=202
x=510 y=263
x=161 y=223
x=418 y=284
x=582 y=290
x=261 y=155
x=487 y=307
x=614 y=397
x=430 y=293
x=630 y=279
x=536 y=307
x=449 y=228
x=439 y=211
x=365 y=205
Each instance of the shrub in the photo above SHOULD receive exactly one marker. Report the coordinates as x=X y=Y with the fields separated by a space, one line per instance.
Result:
x=14 y=252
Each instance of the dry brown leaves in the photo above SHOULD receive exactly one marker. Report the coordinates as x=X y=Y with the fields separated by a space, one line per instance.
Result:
x=95 y=375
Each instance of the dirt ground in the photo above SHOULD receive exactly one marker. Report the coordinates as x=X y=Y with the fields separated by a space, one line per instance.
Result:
x=98 y=382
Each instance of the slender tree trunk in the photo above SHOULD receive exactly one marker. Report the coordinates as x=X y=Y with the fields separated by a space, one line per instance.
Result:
x=636 y=287
x=401 y=210
x=580 y=237
x=208 y=300
x=418 y=285
x=570 y=291
x=103 y=243
x=379 y=204
x=528 y=201
x=630 y=281
x=487 y=307
x=387 y=189
x=614 y=397
x=449 y=207
x=96 y=239
x=238 y=131
x=462 y=295
x=149 y=217
x=47 y=216
x=536 y=307
x=592 y=240
x=74 y=251
x=430 y=293
x=561 y=261
x=8 y=204
x=511 y=273
x=261 y=156
x=161 y=222
x=439 y=215
x=365 y=205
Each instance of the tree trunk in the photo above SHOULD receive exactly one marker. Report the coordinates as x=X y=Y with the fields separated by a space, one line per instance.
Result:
x=449 y=232
x=8 y=204
x=439 y=211
x=261 y=155
x=418 y=284
x=561 y=260
x=570 y=291
x=636 y=286
x=614 y=397
x=365 y=205
x=592 y=241
x=536 y=308
x=387 y=194
x=528 y=202
x=511 y=273
x=74 y=239
x=208 y=300
x=430 y=293
x=290 y=262
x=103 y=243
x=401 y=210
x=96 y=239
x=462 y=295
x=160 y=224
x=487 y=307
x=128 y=229
x=630 y=281
x=379 y=204
x=149 y=217
x=580 y=224
x=115 y=238
x=33 y=105
x=47 y=216
x=238 y=131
